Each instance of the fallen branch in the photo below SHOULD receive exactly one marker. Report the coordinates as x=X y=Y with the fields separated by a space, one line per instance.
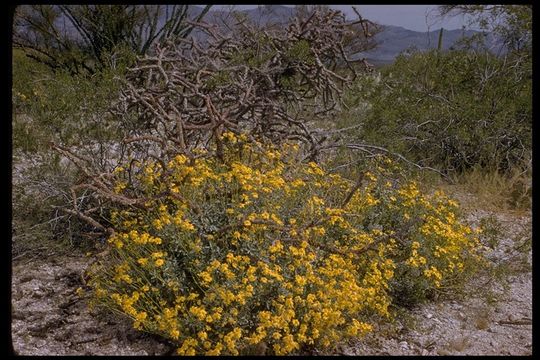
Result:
x=523 y=321
x=353 y=190
x=364 y=147
x=89 y=220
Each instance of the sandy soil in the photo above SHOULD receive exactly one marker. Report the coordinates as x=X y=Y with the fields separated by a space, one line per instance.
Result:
x=495 y=317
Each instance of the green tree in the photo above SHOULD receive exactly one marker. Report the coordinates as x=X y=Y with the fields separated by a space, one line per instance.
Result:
x=451 y=110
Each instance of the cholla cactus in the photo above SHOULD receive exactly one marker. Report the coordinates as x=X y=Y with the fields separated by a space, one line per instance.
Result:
x=271 y=84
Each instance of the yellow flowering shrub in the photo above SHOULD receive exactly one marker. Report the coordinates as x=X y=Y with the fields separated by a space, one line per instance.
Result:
x=432 y=249
x=259 y=247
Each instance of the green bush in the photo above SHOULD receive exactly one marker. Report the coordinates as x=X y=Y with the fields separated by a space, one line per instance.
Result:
x=262 y=250
x=60 y=107
x=450 y=110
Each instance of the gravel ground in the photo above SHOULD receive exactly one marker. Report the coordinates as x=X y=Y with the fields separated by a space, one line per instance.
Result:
x=50 y=318
x=495 y=318
x=469 y=327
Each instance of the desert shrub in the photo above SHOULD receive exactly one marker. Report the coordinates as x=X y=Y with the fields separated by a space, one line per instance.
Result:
x=451 y=110
x=492 y=232
x=40 y=191
x=260 y=248
x=57 y=106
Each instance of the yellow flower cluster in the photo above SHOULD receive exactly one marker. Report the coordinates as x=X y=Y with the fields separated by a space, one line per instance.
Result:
x=258 y=248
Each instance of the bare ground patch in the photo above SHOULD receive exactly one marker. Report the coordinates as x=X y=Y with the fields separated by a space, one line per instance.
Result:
x=50 y=318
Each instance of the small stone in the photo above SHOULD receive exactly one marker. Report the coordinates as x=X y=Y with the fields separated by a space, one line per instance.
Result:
x=429 y=316
x=62 y=336
x=443 y=352
x=404 y=345
x=424 y=352
x=38 y=294
x=25 y=278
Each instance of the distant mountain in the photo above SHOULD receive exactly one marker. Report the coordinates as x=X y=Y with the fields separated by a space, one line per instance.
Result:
x=392 y=40
x=276 y=14
x=263 y=15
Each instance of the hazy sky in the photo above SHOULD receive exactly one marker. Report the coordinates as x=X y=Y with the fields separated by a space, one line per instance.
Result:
x=412 y=17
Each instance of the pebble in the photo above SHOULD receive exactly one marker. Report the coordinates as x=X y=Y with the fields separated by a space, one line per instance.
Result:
x=443 y=352
x=429 y=316
x=26 y=278
x=404 y=345
x=38 y=294
x=424 y=352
